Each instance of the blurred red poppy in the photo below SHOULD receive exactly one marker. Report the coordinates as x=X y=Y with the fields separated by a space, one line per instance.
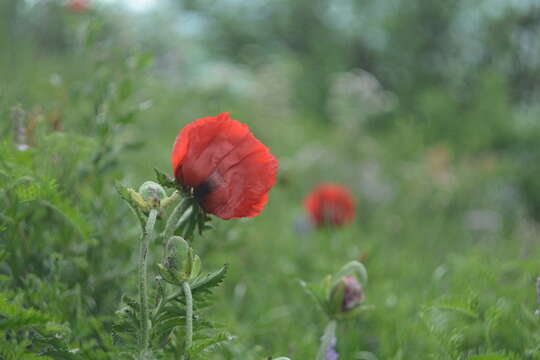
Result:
x=330 y=204
x=78 y=6
x=229 y=170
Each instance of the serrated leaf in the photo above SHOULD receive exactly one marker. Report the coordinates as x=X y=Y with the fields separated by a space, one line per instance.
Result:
x=16 y=317
x=209 y=344
x=205 y=283
x=169 y=275
x=457 y=306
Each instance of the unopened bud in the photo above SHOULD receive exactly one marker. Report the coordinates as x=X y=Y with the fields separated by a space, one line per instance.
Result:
x=153 y=193
x=177 y=253
x=347 y=294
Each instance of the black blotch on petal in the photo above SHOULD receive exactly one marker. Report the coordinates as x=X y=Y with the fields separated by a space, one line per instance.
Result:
x=202 y=190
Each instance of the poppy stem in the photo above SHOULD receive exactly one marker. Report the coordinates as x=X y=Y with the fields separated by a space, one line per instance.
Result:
x=189 y=318
x=143 y=279
x=326 y=340
x=171 y=226
x=176 y=214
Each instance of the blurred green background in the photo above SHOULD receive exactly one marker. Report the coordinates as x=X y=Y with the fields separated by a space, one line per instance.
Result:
x=429 y=111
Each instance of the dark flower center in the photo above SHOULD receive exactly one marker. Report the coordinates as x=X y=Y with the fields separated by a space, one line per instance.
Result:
x=203 y=189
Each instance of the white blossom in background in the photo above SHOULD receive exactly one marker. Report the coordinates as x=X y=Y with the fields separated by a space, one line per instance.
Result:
x=356 y=95
x=221 y=75
x=372 y=184
x=483 y=220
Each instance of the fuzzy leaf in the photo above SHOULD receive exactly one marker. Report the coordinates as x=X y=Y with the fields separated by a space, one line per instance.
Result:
x=458 y=306
x=209 y=344
x=211 y=280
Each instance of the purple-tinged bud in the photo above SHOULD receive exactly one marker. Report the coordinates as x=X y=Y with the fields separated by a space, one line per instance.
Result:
x=346 y=296
x=353 y=294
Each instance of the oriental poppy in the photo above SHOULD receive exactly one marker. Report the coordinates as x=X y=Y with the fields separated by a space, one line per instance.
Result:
x=330 y=204
x=78 y=6
x=228 y=169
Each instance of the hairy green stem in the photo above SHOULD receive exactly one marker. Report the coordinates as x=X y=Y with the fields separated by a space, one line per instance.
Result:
x=326 y=341
x=170 y=226
x=189 y=318
x=143 y=278
x=173 y=219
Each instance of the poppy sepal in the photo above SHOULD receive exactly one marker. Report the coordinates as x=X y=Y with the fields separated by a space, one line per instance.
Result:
x=166 y=180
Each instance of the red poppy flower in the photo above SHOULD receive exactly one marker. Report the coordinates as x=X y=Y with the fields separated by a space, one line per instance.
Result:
x=78 y=6
x=229 y=170
x=330 y=204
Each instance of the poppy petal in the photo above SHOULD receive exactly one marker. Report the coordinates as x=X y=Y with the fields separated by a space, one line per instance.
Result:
x=330 y=204
x=252 y=176
x=230 y=170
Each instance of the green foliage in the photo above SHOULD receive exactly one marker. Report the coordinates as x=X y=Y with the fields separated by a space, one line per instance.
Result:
x=39 y=334
x=427 y=110
x=169 y=315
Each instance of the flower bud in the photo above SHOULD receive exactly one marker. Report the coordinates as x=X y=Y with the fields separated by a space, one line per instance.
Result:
x=176 y=253
x=347 y=295
x=153 y=193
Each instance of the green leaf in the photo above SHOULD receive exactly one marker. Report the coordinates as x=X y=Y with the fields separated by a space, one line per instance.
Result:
x=205 y=283
x=319 y=292
x=143 y=60
x=458 y=306
x=127 y=118
x=209 y=344
x=169 y=275
x=196 y=268
x=16 y=317
x=45 y=191
x=124 y=193
x=125 y=89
